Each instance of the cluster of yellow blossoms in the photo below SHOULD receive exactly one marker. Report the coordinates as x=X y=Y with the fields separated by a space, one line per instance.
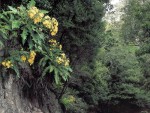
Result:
x=54 y=43
x=23 y=58
x=52 y=24
x=35 y=15
x=7 y=64
x=30 y=59
x=71 y=99
x=48 y=22
x=62 y=59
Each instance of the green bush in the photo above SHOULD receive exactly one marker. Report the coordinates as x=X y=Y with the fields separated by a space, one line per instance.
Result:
x=27 y=37
x=73 y=103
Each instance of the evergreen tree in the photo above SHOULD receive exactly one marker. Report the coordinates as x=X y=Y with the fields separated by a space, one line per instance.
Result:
x=81 y=26
x=137 y=21
x=126 y=83
x=136 y=28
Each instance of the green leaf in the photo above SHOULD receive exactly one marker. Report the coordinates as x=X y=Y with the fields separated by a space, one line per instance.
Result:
x=51 y=69
x=44 y=63
x=1 y=44
x=63 y=75
x=3 y=34
x=31 y=4
x=15 y=68
x=15 y=24
x=40 y=34
x=3 y=17
x=24 y=35
x=13 y=9
x=56 y=76
x=41 y=61
x=31 y=45
x=44 y=11
x=69 y=69
x=45 y=71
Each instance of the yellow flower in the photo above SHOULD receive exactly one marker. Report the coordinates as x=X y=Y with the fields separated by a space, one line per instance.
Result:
x=63 y=55
x=71 y=98
x=3 y=63
x=60 y=47
x=54 y=27
x=32 y=12
x=32 y=53
x=47 y=24
x=67 y=62
x=31 y=61
x=32 y=57
x=41 y=15
x=38 y=18
x=47 y=18
x=7 y=64
x=54 y=31
x=55 y=22
x=52 y=41
x=34 y=9
x=59 y=60
x=23 y=58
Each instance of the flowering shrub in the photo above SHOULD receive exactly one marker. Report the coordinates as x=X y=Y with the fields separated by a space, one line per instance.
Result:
x=48 y=22
x=27 y=32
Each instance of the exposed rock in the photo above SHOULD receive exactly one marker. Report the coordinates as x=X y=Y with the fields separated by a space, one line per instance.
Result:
x=12 y=100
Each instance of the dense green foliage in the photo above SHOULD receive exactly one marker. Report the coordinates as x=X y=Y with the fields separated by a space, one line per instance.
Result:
x=22 y=34
x=136 y=21
x=80 y=26
x=137 y=29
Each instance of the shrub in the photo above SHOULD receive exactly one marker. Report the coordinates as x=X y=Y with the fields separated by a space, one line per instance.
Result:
x=28 y=36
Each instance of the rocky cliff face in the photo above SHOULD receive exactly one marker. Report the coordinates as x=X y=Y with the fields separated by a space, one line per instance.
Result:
x=12 y=99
